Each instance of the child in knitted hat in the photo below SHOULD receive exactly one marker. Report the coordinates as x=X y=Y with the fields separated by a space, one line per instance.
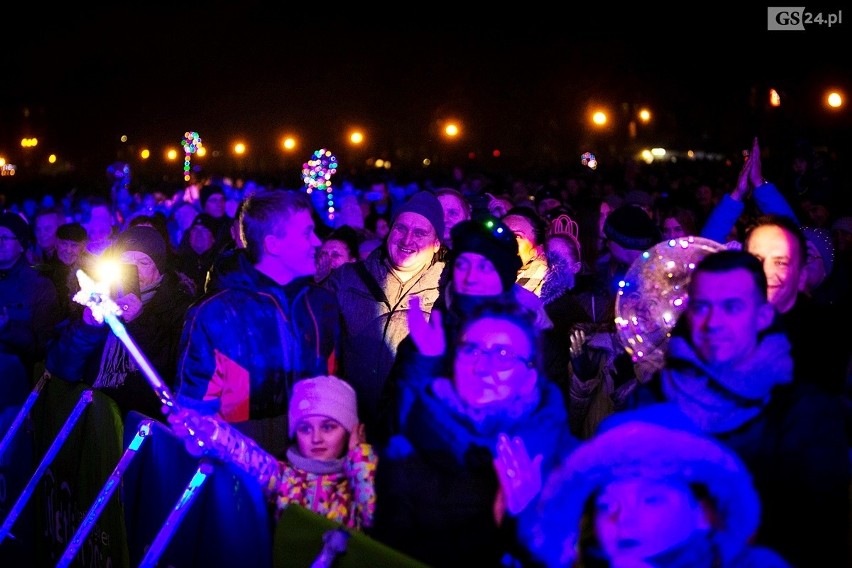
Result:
x=329 y=468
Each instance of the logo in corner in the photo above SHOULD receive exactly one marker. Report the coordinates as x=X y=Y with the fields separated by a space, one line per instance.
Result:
x=785 y=19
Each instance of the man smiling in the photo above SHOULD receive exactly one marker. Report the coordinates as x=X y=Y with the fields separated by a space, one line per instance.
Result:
x=374 y=297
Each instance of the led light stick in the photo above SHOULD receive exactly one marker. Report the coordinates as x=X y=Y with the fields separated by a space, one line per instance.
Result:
x=203 y=435
x=191 y=143
x=316 y=174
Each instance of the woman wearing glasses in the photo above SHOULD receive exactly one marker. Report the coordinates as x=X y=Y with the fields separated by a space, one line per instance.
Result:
x=458 y=485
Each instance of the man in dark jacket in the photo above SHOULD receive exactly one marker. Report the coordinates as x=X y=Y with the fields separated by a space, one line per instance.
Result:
x=29 y=308
x=374 y=295
x=262 y=326
x=730 y=371
x=153 y=310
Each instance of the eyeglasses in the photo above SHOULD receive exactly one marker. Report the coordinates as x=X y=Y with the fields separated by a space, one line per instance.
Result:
x=500 y=356
x=5 y=239
x=419 y=234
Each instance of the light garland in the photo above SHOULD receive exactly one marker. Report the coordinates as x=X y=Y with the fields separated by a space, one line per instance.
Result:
x=316 y=174
x=191 y=143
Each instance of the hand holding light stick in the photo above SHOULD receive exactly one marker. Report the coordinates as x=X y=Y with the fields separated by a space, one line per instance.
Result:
x=203 y=435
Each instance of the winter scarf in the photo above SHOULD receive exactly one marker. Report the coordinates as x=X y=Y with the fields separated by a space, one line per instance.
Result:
x=721 y=399
x=116 y=361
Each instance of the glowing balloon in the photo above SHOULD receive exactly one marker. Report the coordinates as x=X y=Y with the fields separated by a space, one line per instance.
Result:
x=653 y=293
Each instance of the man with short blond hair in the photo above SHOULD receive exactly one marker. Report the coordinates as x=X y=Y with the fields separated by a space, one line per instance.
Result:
x=263 y=327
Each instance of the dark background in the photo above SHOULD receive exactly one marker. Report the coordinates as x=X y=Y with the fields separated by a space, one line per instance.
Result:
x=520 y=82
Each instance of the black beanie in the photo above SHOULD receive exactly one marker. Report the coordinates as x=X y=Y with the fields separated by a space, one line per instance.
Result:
x=424 y=203
x=141 y=238
x=72 y=232
x=631 y=228
x=492 y=239
x=207 y=191
x=206 y=221
x=16 y=224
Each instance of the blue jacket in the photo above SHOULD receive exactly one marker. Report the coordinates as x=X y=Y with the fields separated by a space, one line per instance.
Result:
x=244 y=344
x=724 y=216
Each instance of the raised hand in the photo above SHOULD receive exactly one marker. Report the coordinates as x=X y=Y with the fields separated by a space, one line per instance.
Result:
x=578 y=342
x=741 y=190
x=519 y=476
x=755 y=175
x=426 y=331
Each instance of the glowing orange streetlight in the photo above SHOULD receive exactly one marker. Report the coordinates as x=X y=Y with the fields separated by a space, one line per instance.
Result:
x=356 y=137
x=288 y=143
x=834 y=99
x=452 y=130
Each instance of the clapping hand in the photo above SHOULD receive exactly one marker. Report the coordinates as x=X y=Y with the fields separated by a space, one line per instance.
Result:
x=426 y=331
x=578 y=342
x=741 y=190
x=580 y=359
x=519 y=476
x=755 y=176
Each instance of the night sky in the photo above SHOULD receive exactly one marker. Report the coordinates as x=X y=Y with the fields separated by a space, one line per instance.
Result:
x=84 y=77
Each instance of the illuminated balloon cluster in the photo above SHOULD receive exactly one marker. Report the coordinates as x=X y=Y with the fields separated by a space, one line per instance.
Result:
x=191 y=143
x=316 y=174
x=589 y=160
x=119 y=173
x=653 y=293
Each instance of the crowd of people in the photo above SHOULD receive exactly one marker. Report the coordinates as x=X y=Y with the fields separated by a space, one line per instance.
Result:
x=438 y=366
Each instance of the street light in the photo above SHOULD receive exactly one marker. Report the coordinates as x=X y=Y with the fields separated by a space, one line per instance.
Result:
x=452 y=130
x=834 y=99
